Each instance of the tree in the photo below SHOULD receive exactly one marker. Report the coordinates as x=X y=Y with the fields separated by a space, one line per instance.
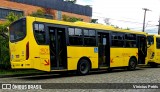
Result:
x=107 y=21
x=70 y=19
x=127 y=28
x=9 y=19
x=39 y=13
x=94 y=21
x=72 y=1
x=4 y=39
x=43 y=13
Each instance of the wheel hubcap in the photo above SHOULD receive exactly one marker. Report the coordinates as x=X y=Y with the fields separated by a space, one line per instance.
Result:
x=84 y=67
x=132 y=64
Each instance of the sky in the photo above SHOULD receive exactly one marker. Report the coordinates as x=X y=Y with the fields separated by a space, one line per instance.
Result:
x=125 y=13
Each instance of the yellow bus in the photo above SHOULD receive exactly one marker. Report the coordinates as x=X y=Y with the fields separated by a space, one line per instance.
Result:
x=153 y=52
x=52 y=45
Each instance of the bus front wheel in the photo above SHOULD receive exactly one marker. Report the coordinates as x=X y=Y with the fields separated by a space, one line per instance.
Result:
x=132 y=64
x=83 y=67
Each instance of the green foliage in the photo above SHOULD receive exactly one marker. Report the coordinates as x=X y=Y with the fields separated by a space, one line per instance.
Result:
x=39 y=13
x=70 y=19
x=4 y=39
x=12 y=17
x=94 y=21
x=3 y=31
x=72 y=1
x=88 y=5
x=127 y=28
x=4 y=53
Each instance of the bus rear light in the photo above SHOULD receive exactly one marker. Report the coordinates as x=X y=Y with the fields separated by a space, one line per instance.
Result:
x=27 y=50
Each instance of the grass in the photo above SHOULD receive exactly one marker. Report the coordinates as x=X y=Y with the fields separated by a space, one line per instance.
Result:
x=16 y=72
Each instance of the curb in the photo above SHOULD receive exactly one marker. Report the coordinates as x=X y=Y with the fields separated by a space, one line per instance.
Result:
x=18 y=75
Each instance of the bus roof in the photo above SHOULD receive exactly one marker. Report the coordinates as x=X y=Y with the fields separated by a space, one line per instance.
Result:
x=85 y=25
x=156 y=35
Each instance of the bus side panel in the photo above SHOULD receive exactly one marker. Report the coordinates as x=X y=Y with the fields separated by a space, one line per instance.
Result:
x=116 y=58
x=33 y=47
x=75 y=53
x=120 y=56
x=157 y=50
x=39 y=54
x=157 y=56
x=129 y=52
x=150 y=51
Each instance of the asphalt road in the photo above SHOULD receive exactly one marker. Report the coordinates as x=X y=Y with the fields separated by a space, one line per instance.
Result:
x=140 y=75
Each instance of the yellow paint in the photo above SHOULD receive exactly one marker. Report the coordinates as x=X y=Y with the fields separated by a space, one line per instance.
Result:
x=75 y=53
x=120 y=56
x=153 y=49
x=39 y=55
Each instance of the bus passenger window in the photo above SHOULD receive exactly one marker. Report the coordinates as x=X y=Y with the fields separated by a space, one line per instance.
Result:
x=117 y=39
x=39 y=33
x=89 y=37
x=130 y=40
x=75 y=36
x=158 y=43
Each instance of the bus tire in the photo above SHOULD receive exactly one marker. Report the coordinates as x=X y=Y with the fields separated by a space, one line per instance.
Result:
x=132 y=64
x=154 y=65
x=83 y=67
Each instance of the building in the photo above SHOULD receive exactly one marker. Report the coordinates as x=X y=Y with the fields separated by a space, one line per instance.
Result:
x=55 y=9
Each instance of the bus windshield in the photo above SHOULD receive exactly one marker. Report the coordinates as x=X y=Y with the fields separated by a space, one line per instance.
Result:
x=18 y=30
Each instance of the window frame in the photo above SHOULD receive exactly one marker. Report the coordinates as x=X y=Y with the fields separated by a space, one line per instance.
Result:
x=117 y=39
x=76 y=36
x=151 y=39
x=5 y=11
x=46 y=42
x=90 y=37
x=82 y=36
x=157 y=43
x=131 y=40
x=25 y=29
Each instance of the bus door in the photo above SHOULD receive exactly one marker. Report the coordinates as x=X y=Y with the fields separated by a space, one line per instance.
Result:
x=142 y=49
x=58 y=49
x=103 y=50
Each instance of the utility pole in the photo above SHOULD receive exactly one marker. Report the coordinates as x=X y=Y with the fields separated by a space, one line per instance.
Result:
x=159 y=26
x=145 y=9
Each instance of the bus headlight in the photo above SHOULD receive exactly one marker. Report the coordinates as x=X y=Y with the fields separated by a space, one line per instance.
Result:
x=152 y=56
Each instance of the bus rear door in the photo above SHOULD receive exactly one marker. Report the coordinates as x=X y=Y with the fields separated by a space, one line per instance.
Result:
x=103 y=50
x=58 y=49
x=142 y=49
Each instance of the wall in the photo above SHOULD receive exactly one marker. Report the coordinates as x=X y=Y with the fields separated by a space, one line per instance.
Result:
x=28 y=9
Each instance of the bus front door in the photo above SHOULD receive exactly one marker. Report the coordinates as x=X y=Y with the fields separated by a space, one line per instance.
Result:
x=142 y=49
x=58 y=50
x=103 y=50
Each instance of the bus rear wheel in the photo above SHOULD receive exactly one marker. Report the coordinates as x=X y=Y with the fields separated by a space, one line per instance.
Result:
x=83 y=67
x=132 y=64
